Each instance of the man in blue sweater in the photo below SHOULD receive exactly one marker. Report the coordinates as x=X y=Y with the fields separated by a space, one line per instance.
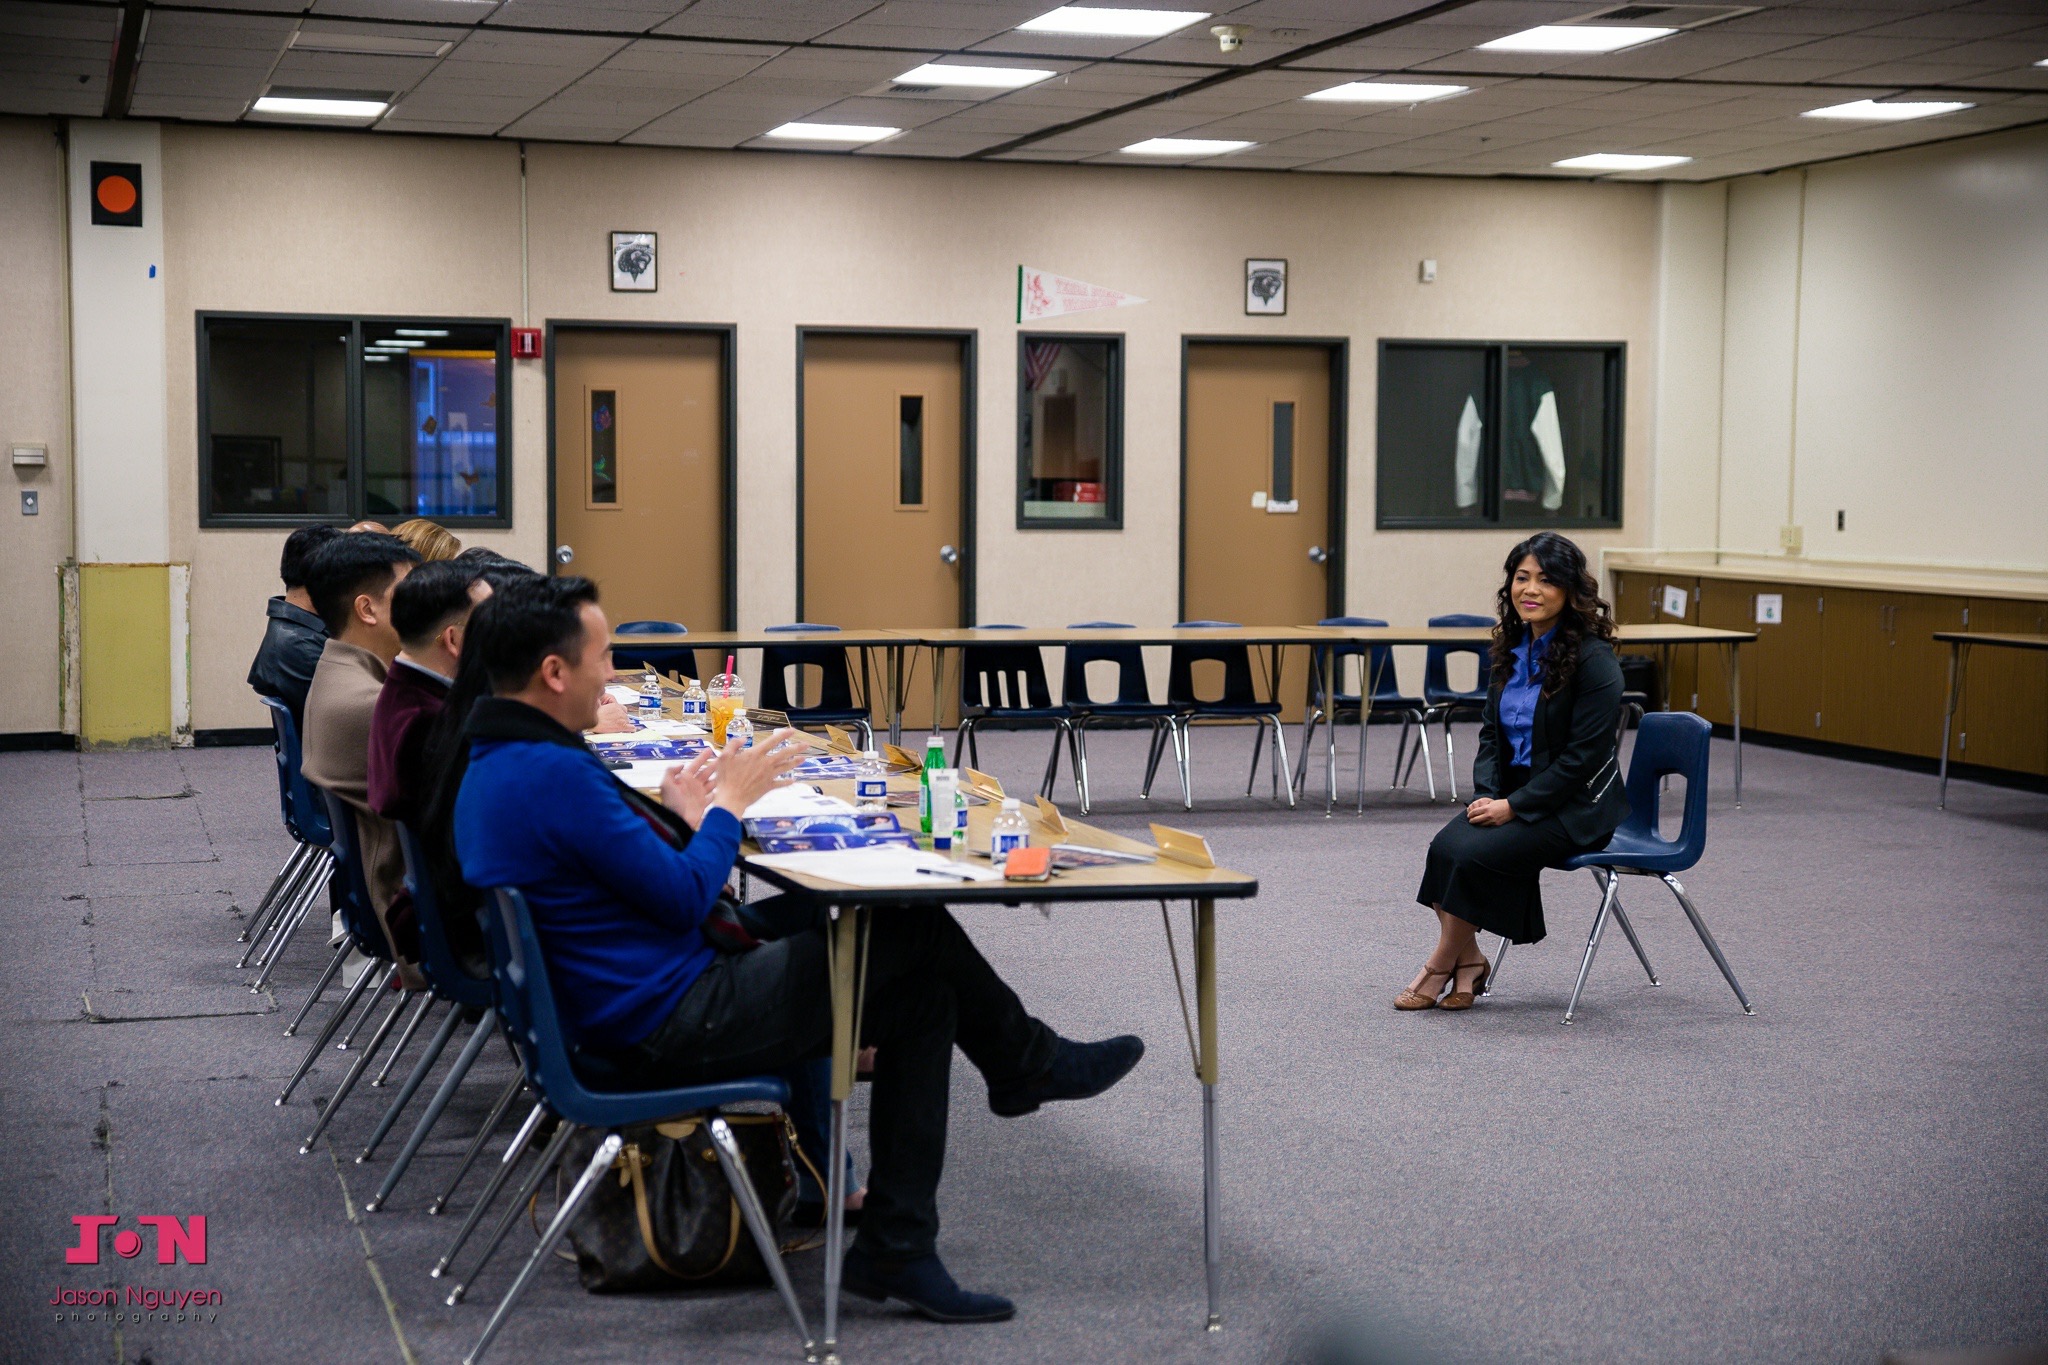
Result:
x=622 y=890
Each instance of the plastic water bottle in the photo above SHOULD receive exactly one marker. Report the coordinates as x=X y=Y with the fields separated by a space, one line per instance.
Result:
x=959 y=816
x=650 y=693
x=870 y=781
x=696 y=706
x=945 y=789
x=934 y=760
x=739 y=732
x=1011 y=830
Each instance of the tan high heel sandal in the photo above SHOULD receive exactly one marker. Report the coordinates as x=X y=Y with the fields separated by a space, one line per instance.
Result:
x=1413 y=999
x=1462 y=1000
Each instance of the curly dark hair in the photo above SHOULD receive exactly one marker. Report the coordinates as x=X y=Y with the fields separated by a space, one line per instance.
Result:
x=1585 y=611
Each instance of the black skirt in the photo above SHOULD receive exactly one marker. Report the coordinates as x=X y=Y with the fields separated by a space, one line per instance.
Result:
x=1487 y=875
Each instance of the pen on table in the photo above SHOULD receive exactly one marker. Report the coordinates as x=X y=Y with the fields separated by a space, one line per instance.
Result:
x=945 y=872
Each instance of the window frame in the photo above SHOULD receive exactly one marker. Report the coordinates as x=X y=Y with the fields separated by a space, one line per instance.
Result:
x=1112 y=518
x=355 y=323
x=1490 y=517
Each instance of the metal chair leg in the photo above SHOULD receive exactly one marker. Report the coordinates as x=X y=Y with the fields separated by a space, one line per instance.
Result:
x=274 y=899
x=412 y=1026
x=548 y=1157
x=607 y=1151
x=435 y=1107
x=1428 y=763
x=348 y=1039
x=1500 y=955
x=1592 y=946
x=281 y=912
x=507 y=1160
x=1052 y=764
x=1077 y=746
x=1400 y=756
x=1700 y=927
x=327 y=1031
x=355 y=1073
x=1185 y=754
x=323 y=870
x=1364 y=730
x=476 y=1144
x=1258 y=742
x=413 y=1081
x=1621 y=918
x=1450 y=759
x=757 y=1223
x=1284 y=778
x=1159 y=736
x=326 y=979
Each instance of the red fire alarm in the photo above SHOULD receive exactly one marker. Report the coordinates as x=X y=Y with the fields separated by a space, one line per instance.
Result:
x=526 y=343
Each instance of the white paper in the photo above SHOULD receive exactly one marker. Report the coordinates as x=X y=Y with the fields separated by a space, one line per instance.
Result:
x=665 y=728
x=1770 y=608
x=645 y=774
x=628 y=697
x=875 y=867
x=798 y=798
x=1674 y=601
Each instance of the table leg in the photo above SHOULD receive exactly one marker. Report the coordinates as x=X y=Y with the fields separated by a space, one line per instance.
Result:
x=938 y=688
x=894 y=666
x=1333 y=672
x=1957 y=655
x=1209 y=1071
x=845 y=941
x=1735 y=711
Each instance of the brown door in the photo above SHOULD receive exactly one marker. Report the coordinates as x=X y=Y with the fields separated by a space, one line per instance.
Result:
x=640 y=471
x=1256 y=537
x=1856 y=659
x=1917 y=676
x=883 y=536
x=2004 y=719
x=1786 y=661
x=1727 y=604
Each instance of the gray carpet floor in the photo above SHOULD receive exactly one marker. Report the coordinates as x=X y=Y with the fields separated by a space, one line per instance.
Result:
x=1861 y=1166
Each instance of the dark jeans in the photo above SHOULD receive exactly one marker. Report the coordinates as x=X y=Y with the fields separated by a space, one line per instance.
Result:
x=928 y=989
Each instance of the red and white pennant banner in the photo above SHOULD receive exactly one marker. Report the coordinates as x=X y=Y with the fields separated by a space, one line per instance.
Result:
x=1042 y=294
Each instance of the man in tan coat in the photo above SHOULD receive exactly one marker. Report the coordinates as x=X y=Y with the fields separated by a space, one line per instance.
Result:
x=351 y=579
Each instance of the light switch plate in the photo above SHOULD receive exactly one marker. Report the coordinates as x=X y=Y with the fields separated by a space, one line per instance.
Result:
x=31 y=502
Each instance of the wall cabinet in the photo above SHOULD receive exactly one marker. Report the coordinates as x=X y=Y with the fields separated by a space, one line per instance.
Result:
x=1858 y=666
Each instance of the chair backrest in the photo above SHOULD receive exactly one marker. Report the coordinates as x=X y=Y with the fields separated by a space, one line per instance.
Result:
x=439 y=957
x=676 y=658
x=835 y=680
x=357 y=916
x=1003 y=677
x=1378 y=665
x=1436 y=675
x=1670 y=742
x=305 y=814
x=526 y=1004
x=1131 y=685
x=1235 y=657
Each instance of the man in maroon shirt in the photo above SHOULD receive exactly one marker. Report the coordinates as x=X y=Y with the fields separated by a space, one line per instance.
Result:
x=430 y=616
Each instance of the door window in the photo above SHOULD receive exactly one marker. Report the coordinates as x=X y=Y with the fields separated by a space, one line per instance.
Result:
x=1281 y=487
x=910 y=450
x=604 y=447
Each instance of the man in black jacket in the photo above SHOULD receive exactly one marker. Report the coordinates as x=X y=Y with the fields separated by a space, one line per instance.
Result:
x=292 y=643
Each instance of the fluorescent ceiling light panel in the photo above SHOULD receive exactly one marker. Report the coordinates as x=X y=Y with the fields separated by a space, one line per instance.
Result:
x=1619 y=161
x=1575 y=38
x=1891 y=111
x=309 y=106
x=419 y=332
x=1186 y=146
x=976 y=77
x=1095 y=21
x=389 y=344
x=831 y=132
x=368 y=44
x=1385 y=92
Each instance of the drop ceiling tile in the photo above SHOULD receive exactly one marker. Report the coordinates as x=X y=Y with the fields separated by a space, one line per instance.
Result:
x=1778 y=70
x=441 y=127
x=886 y=113
x=187 y=107
x=615 y=16
x=235 y=33
x=658 y=58
x=1810 y=20
x=463 y=12
x=344 y=71
x=786 y=21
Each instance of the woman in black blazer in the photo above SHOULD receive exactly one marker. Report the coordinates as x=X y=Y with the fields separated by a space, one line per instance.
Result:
x=1547 y=777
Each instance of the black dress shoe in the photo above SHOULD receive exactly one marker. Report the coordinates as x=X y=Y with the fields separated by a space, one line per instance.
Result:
x=925 y=1285
x=1079 y=1071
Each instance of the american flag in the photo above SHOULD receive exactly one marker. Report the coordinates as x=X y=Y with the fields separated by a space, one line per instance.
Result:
x=1039 y=358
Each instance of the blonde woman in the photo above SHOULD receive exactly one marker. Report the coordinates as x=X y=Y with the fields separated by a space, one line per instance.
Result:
x=431 y=540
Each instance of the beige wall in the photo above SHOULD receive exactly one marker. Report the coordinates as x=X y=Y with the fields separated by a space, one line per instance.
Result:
x=1692 y=264
x=35 y=408
x=1882 y=355
x=287 y=221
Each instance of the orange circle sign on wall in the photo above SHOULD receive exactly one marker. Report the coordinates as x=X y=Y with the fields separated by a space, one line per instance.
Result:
x=116 y=194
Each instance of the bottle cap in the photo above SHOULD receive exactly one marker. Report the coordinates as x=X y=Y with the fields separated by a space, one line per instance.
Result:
x=1012 y=803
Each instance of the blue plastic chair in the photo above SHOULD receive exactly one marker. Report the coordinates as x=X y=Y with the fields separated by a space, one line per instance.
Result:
x=1670 y=743
x=451 y=980
x=1388 y=704
x=1006 y=685
x=527 y=1005
x=836 y=704
x=662 y=658
x=1445 y=702
x=1239 y=701
x=366 y=935
x=305 y=874
x=1133 y=704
